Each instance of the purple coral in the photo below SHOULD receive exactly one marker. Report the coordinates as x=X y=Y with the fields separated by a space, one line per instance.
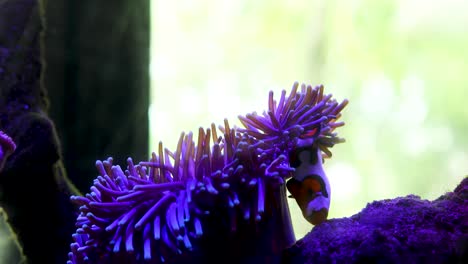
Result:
x=177 y=202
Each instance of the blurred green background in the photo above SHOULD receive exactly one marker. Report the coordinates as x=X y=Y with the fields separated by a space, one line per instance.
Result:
x=402 y=64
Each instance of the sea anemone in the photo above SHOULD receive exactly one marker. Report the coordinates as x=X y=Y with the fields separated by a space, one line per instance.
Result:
x=7 y=147
x=177 y=202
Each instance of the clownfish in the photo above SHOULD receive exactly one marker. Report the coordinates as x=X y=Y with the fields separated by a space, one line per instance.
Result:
x=309 y=185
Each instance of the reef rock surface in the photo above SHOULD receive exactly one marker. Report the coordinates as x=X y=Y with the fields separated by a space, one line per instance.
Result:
x=401 y=230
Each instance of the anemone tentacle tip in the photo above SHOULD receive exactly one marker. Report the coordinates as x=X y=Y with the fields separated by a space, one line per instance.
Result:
x=7 y=145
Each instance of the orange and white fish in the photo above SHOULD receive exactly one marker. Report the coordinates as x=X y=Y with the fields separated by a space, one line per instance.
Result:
x=309 y=184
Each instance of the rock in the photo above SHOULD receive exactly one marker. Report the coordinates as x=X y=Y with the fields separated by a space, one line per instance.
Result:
x=34 y=189
x=401 y=230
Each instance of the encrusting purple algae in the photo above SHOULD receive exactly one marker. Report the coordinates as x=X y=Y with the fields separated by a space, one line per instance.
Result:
x=221 y=196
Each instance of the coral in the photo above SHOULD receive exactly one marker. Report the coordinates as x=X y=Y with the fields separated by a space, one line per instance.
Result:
x=223 y=197
x=34 y=171
x=400 y=230
x=10 y=249
x=33 y=174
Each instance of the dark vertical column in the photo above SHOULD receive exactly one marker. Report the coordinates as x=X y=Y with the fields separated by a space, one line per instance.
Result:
x=97 y=55
x=34 y=190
